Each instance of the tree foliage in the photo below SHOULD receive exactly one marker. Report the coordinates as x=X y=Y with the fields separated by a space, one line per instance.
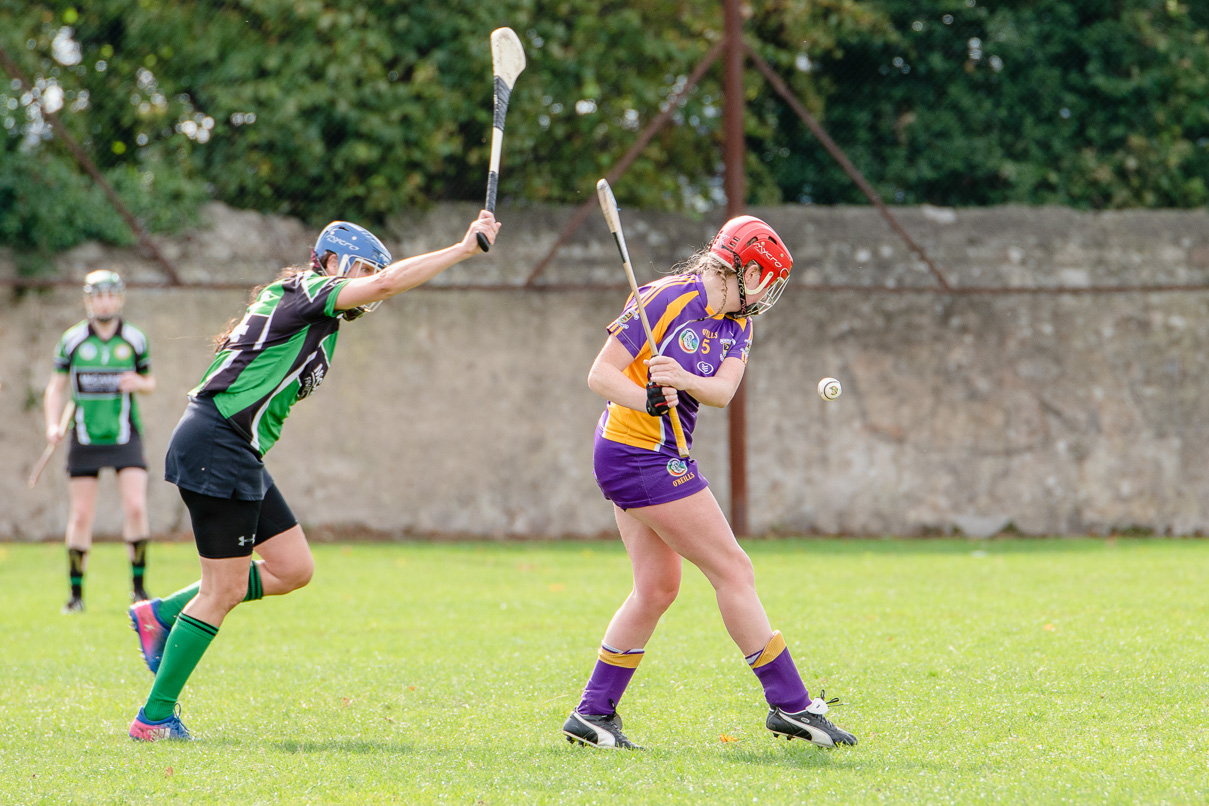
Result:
x=1091 y=104
x=343 y=109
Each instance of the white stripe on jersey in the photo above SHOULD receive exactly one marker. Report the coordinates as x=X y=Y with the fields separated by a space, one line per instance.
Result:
x=264 y=331
x=136 y=337
x=222 y=367
x=74 y=337
x=269 y=400
x=124 y=429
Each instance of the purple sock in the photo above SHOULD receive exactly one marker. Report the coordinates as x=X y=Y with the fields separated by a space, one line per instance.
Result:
x=609 y=679
x=783 y=687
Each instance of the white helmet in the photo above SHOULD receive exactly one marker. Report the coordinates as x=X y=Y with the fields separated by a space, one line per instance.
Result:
x=103 y=281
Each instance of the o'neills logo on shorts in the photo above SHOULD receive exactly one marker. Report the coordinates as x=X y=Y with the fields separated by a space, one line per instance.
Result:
x=687 y=478
x=679 y=469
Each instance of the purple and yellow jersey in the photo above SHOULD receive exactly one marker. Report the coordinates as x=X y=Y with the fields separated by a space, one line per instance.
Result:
x=686 y=329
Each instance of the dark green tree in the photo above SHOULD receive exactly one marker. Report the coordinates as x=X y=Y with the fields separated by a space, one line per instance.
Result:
x=340 y=108
x=1093 y=104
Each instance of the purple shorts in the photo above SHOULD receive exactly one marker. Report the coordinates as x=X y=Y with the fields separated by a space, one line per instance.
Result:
x=635 y=477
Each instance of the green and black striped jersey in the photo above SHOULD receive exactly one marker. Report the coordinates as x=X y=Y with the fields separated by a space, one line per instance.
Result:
x=104 y=414
x=277 y=355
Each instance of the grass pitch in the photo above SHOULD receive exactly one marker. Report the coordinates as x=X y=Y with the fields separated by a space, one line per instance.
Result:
x=1003 y=671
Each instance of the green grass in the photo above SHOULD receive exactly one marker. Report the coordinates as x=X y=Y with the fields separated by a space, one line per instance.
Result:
x=999 y=672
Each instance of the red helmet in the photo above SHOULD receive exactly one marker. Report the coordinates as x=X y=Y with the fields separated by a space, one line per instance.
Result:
x=746 y=238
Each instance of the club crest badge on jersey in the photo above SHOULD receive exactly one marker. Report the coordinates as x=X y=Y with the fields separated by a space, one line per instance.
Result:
x=309 y=383
x=689 y=342
x=121 y=352
x=677 y=467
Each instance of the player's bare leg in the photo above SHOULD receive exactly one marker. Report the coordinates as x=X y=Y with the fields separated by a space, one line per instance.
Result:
x=82 y=508
x=286 y=562
x=224 y=584
x=136 y=530
x=286 y=565
x=657 y=572
x=696 y=528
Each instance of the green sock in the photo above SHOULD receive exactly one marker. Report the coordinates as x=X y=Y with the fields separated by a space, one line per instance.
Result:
x=255 y=586
x=171 y=606
x=188 y=641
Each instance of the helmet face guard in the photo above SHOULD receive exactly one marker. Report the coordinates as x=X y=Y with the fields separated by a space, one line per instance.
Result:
x=350 y=243
x=746 y=240
x=103 y=281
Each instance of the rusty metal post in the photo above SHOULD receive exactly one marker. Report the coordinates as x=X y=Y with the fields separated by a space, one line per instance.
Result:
x=735 y=185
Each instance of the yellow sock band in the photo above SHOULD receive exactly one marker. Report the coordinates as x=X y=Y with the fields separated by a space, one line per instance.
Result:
x=774 y=647
x=626 y=660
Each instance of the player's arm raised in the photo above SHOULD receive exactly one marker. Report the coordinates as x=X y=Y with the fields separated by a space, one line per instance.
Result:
x=406 y=274
x=715 y=391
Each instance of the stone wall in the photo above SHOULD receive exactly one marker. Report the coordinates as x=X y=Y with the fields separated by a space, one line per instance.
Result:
x=458 y=411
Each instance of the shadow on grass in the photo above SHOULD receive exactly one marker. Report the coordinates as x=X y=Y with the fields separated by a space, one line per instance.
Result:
x=796 y=756
x=356 y=746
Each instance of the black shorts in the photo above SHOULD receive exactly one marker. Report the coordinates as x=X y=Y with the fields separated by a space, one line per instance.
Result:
x=85 y=461
x=208 y=456
x=227 y=527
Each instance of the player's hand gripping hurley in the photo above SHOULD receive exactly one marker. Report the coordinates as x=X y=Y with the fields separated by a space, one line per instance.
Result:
x=608 y=204
x=507 y=62
x=64 y=423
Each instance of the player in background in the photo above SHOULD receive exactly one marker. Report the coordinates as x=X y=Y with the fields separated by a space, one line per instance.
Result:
x=102 y=363
x=700 y=318
x=276 y=355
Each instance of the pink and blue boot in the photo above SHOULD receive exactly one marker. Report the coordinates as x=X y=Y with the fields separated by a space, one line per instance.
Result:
x=170 y=727
x=153 y=633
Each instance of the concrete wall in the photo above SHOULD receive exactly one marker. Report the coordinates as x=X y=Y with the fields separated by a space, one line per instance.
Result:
x=459 y=411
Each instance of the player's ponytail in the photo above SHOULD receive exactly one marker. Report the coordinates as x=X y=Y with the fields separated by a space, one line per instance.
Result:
x=220 y=339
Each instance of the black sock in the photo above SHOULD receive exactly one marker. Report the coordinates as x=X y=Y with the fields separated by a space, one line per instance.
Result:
x=138 y=564
x=75 y=564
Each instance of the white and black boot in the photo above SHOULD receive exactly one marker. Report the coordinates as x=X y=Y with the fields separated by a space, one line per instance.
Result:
x=809 y=724
x=597 y=731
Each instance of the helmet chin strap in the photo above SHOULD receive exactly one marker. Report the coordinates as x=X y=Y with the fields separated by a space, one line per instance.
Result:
x=764 y=283
x=742 y=285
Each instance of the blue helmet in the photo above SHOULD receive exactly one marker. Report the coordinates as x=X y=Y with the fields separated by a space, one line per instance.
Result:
x=350 y=243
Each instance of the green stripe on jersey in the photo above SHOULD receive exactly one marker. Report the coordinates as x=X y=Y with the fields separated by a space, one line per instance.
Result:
x=278 y=354
x=104 y=414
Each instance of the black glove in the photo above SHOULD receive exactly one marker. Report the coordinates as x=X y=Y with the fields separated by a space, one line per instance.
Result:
x=656 y=403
